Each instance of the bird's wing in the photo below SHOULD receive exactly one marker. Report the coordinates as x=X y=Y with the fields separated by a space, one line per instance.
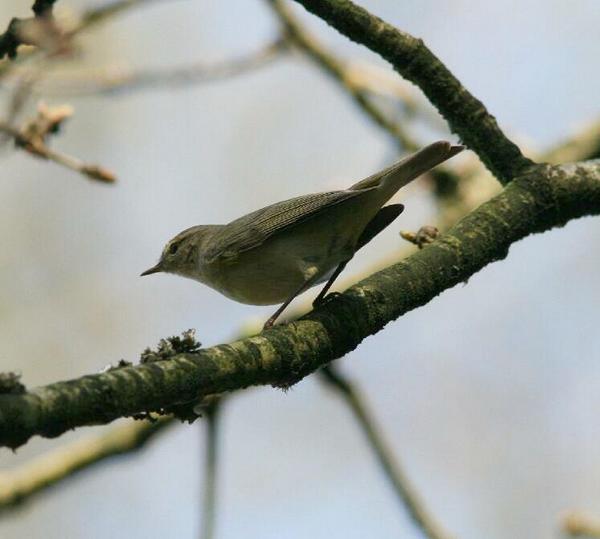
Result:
x=253 y=229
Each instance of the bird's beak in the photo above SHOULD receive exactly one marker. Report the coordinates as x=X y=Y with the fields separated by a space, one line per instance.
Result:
x=154 y=269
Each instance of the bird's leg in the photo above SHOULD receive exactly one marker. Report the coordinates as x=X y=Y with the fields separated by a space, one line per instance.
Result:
x=319 y=299
x=382 y=219
x=307 y=284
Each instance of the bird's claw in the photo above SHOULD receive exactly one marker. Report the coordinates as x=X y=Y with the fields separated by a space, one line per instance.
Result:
x=319 y=302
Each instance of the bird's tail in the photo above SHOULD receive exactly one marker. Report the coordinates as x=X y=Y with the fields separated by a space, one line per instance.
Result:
x=403 y=172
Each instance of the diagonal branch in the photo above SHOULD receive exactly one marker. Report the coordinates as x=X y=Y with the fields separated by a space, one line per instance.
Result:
x=543 y=198
x=338 y=71
x=400 y=483
x=52 y=468
x=465 y=114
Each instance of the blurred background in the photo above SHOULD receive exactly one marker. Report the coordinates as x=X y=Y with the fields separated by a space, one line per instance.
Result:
x=488 y=395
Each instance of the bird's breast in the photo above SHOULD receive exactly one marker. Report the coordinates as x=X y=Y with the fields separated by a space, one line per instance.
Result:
x=272 y=272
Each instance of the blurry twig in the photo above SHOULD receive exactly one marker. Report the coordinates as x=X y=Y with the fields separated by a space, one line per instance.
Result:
x=54 y=467
x=340 y=73
x=410 y=500
x=579 y=525
x=582 y=145
x=32 y=138
x=31 y=31
x=102 y=13
x=88 y=19
x=212 y=413
x=122 y=81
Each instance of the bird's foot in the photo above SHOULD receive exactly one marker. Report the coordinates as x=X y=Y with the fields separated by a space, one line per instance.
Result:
x=324 y=300
x=269 y=324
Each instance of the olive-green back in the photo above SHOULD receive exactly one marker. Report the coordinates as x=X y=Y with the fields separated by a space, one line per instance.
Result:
x=253 y=229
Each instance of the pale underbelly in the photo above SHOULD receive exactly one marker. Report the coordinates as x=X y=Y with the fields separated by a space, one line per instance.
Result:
x=271 y=275
x=259 y=285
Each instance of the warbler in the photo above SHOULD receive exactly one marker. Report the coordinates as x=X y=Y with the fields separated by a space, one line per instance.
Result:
x=272 y=255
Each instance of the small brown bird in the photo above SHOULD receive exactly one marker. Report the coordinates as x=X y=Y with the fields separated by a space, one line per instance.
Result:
x=272 y=255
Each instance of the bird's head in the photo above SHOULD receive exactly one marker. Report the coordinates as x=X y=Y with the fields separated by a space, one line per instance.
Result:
x=180 y=255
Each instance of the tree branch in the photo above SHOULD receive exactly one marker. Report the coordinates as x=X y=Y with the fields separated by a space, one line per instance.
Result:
x=402 y=487
x=336 y=69
x=465 y=114
x=545 y=197
x=42 y=7
x=213 y=416
x=89 y=19
x=13 y=35
x=580 y=525
x=585 y=144
x=110 y=83
x=52 y=468
x=35 y=144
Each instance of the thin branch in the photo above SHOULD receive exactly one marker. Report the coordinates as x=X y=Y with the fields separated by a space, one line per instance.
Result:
x=16 y=32
x=579 y=525
x=101 y=14
x=545 y=197
x=53 y=468
x=212 y=413
x=88 y=20
x=585 y=144
x=107 y=83
x=466 y=115
x=400 y=483
x=38 y=148
x=339 y=72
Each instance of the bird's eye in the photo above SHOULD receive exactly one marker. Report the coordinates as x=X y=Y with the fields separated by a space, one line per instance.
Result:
x=173 y=248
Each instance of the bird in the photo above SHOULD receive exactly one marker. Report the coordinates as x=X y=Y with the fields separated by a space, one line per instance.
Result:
x=274 y=254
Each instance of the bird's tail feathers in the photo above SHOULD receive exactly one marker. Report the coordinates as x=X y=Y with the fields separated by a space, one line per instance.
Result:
x=403 y=172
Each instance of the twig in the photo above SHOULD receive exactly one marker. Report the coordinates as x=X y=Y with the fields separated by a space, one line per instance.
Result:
x=584 y=144
x=111 y=83
x=37 y=147
x=339 y=71
x=52 y=468
x=465 y=114
x=100 y=14
x=42 y=7
x=88 y=20
x=579 y=525
x=16 y=32
x=212 y=413
x=395 y=475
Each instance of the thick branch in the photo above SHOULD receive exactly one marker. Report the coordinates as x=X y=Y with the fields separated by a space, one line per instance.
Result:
x=466 y=115
x=545 y=197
